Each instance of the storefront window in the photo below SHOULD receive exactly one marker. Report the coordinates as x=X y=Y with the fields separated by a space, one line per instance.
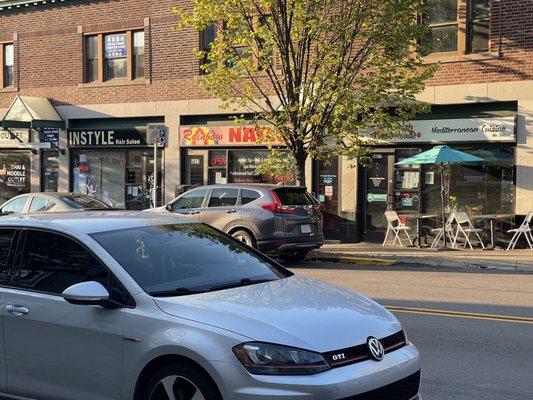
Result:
x=484 y=188
x=243 y=164
x=49 y=171
x=15 y=173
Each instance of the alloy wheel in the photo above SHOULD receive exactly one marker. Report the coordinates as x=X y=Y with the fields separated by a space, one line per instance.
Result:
x=176 y=387
x=243 y=239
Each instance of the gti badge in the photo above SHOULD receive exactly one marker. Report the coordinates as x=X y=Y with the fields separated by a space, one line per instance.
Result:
x=376 y=348
x=338 y=357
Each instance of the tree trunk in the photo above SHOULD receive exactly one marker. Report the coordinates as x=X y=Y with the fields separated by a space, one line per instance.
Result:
x=300 y=170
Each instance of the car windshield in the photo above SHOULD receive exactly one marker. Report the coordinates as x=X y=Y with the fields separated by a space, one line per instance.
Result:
x=183 y=259
x=83 y=202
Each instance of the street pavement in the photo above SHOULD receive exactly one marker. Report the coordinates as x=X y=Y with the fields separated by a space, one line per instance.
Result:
x=474 y=328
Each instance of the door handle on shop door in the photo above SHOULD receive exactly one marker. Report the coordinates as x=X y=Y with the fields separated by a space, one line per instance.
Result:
x=17 y=310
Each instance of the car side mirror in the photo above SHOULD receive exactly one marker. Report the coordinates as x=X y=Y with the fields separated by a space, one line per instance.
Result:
x=87 y=293
x=169 y=207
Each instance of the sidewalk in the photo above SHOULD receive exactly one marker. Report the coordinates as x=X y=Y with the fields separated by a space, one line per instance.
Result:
x=375 y=254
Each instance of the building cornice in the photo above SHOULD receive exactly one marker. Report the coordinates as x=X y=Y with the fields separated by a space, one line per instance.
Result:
x=19 y=4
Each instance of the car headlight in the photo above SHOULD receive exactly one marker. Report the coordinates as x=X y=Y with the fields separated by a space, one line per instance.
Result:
x=271 y=359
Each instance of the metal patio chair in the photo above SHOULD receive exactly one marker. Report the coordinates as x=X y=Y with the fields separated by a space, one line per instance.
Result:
x=523 y=229
x=396 y=226
x=450 y=232
x=465 y=227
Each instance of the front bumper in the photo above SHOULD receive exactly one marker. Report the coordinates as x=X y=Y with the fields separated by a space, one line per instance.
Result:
x=288 y=244
x=337 y=383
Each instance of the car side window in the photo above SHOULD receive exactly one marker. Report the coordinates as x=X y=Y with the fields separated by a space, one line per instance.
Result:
x=223 y=197
x=192 y=199
x=6 y=244
x=15 y=206
x=38 y=204
x=247 y=196
x=51 y=263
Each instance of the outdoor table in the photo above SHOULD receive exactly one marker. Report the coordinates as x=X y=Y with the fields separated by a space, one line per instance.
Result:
x=491 y=218
x=419 y=219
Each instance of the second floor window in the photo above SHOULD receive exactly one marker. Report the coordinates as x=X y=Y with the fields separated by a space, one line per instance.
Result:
x=441 y=17
x=9 y=62
x=114 y=56
x=452 y=27
x=91 y=49
x=115 y=49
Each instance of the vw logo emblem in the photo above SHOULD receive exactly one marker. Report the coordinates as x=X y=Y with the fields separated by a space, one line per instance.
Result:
x=376 y=348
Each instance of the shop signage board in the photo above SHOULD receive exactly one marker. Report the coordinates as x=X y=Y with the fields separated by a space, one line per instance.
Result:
x=15 y=174
x=115 y=45
x=50 y=135
x=231 y=135
x=106 y=137
x=15 y=138
x=500 y=129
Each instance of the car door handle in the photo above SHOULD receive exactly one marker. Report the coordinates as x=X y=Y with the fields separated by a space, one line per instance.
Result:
x=194 y=212
x=17 y=310
x=231 y=211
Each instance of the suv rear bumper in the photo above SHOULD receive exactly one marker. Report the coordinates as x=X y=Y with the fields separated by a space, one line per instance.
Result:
x=284 y=245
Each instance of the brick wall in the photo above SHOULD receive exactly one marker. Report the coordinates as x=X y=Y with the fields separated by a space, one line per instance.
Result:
x=50 y=57
x=515 y=41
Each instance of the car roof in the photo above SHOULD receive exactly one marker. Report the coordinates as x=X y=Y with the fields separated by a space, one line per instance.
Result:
x=267 y=186
x=88 y=222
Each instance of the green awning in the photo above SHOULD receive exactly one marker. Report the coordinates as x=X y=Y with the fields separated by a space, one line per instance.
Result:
x=32 y=112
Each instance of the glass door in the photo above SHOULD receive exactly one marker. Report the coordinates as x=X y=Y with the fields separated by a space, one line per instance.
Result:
x=376 y=196
x=140 y=180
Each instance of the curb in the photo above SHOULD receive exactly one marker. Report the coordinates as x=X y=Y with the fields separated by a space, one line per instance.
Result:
x=426 y=261
x=353 y=260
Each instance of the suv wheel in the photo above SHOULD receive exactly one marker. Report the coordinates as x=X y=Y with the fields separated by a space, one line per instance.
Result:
x=244 y=237
x=180 y=382
x=295 y=256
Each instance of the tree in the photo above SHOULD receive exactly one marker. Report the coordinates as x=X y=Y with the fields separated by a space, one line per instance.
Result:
x=326 y=74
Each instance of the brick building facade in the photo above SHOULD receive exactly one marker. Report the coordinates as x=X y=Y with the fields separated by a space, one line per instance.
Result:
x=45 y=55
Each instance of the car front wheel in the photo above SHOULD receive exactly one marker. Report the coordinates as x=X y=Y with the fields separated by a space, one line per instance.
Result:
x=180 y=382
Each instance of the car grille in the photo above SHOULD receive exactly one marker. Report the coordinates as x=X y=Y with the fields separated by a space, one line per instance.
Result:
x=405 y=389
x=352 y=355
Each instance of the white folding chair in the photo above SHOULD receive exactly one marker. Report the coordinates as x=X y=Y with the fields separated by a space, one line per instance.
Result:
x=523 y=229
x=466 y=228
x=439 y=233
x=396 y=226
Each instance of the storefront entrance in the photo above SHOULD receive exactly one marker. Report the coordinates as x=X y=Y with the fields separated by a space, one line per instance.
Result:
x=121 y=178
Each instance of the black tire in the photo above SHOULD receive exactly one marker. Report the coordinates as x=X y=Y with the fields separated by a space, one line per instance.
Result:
x=295 y=256
x=245 y=237
x=189 y=380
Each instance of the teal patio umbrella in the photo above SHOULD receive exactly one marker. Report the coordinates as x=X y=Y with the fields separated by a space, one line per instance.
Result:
x=441 y=155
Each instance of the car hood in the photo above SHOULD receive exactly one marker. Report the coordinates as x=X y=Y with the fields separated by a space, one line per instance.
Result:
x=296 y=311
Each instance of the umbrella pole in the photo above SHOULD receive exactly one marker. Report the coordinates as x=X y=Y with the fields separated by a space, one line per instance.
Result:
x=442 y=203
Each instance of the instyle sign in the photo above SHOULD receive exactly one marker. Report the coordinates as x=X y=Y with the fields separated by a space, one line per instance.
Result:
x=203 y=136
x=460 y=130
x=106 y=137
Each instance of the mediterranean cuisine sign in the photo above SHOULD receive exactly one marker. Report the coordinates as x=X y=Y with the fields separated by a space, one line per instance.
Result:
x=204 y=136
x=459 y=130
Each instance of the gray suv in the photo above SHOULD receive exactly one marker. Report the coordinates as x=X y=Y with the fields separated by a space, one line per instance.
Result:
x=282 y=220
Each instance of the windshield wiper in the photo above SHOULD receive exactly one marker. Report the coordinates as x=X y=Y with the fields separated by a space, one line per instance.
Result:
x=242 y=282
x=175 y=292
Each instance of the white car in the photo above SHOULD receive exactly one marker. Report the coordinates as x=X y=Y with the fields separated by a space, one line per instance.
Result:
x=139 y=306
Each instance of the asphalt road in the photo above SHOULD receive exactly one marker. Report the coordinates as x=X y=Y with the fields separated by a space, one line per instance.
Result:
x=483 y=351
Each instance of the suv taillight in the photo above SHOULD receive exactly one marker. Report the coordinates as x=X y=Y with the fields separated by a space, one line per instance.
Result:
x=277 y=207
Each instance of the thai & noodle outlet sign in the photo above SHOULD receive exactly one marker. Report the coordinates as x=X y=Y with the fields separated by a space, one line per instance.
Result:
x=460 y=130
x=203 y=136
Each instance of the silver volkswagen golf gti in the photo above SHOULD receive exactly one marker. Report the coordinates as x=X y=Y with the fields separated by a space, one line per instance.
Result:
x=138 y=306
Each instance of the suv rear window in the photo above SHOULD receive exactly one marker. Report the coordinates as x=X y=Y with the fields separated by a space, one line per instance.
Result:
x=294 y=197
